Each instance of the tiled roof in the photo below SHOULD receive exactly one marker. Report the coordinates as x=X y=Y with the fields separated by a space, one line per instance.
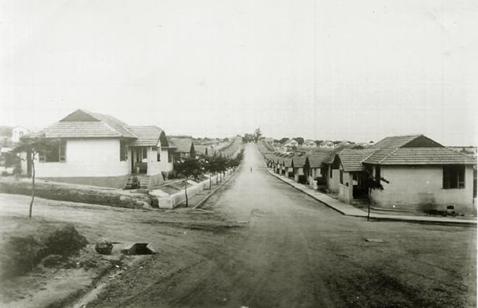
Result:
x=201 y=149
x=352 y=159
x=317 y=158
x=379 y=155
x=287 y=162
x=419 y=156
x=333 y=152
x=89 y=125
x=299 y=161
x=393 y=141
x=147 y=135
x=183 y=145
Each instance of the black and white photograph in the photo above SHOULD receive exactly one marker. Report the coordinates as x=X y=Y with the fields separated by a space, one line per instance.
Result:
x=238 y=153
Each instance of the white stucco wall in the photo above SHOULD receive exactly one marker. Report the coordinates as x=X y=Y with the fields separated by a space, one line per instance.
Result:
x=333 y=183
x=411 y=187
x=87 y=158
x=154 y=166
x=164 y=164
x=346 y=188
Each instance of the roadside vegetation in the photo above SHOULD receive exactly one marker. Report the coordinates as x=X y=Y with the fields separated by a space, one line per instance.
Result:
x=193 y=168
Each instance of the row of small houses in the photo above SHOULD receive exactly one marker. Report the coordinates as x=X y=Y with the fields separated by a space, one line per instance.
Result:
x=414 y=172
x=98 y=149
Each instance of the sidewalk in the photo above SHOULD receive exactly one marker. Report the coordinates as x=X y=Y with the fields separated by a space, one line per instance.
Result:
x=349 y=210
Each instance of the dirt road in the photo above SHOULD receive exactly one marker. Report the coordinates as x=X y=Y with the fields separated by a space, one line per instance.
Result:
x=291 y=251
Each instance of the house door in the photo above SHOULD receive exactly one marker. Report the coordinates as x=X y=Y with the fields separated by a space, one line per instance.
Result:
x=137 y=164
x=360 y=190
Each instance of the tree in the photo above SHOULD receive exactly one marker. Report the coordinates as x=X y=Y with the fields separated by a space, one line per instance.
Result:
x=11 y=159
x=248 y=138
x=189 y=167
x=257 y=134
x=283 y=140
x=373 y=183
x=318 y=142
x=209 y=166
x=299 y=140
x=33 y=146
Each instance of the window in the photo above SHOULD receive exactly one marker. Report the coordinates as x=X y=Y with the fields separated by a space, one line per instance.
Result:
x=341 y=176
x=170 y=157
x=453 y=177
x=378 y=175
x=123 y=151
x=331 y=172
x=145 y=153
x=56 y=153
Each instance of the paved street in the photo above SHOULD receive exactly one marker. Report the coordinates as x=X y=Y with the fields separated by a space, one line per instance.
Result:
x=294 y=252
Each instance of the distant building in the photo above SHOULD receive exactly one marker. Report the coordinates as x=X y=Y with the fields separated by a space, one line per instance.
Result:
x=327 y=144
x=183 y=147
x=309 y=144
x=18 y=132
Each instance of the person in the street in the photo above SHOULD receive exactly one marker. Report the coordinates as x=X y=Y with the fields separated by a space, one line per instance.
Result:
x=251 y=169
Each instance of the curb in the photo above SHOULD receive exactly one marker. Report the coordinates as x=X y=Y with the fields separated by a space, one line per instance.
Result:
x=425 y=221
x=312 y=196
x=200 y=203
x=384 y=218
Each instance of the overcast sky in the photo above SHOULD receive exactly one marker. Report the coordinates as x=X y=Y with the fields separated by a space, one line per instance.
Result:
x=329 y=69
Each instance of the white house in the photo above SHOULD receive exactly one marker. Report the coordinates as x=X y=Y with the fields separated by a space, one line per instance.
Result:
x=416 y=172
x=97 y=149
x=18 y=132
x=327 y=144
x=309 y=144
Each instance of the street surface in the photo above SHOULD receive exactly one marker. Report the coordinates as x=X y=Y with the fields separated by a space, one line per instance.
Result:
x=292 y=251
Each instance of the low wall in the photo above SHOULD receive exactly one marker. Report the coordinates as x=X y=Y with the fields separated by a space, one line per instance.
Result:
x=172 y=201
x=76 y=193
x=155 y=180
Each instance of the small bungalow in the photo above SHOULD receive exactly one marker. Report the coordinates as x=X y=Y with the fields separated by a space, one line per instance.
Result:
x=288 y=167
x=318 y=172
x=300 y=169
x=183 y=147
x=203 y=150
x=290 y=145
x=352 y=180
x=276 y=163
x=309 y=144
x=98 y=149
x=418 y=173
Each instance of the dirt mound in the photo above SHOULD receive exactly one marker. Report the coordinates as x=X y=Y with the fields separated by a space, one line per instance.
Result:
x=31 y=241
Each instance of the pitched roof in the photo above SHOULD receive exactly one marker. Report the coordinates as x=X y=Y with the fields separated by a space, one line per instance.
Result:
x=406 y=141
x=393 y=141
x=84 y=124
x=287 y=162
x=201 y=149
x=299 y=161
x=317 y=158
x=352 y=159
x=333 y=152
x=183 y=145
x=419 y=156
x=147 y=135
